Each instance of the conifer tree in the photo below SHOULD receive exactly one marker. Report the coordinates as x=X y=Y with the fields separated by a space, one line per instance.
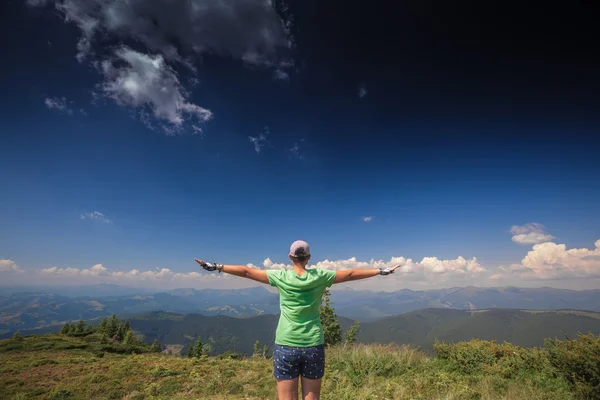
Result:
x=332 y=331
x=79 y=328
x=120 y=333
x=103 y=326
x=65 y=329
x=156 y=347
x=112 y=326
x=190 y=352
x=352 y=333
x=198 y=351
x=256 y=349
x=129 y=338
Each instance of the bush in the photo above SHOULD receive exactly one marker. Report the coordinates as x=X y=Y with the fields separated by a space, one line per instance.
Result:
x=482 y=356
x=578 y=361
x=469 y=357
x=229 y=355
x=161 y=372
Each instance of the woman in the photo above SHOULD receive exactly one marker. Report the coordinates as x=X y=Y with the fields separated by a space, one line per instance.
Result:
x=299 y=349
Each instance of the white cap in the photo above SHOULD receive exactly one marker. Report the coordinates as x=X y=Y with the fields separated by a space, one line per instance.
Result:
x=299 y=249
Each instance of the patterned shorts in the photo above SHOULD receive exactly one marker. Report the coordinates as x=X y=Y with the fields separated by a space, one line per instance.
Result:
x=289 y=362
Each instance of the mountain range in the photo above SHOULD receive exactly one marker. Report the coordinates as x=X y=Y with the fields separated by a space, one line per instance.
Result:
x=27 y=309
x=421 y=328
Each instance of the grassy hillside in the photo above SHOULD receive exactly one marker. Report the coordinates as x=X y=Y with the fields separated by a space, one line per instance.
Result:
x=60 y=367
x=419 y=328
x=521 y=327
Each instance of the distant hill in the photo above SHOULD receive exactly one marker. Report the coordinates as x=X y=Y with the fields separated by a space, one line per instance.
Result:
x=420 y=328
x=367 y=305
x=521 y=327
x=37 y=310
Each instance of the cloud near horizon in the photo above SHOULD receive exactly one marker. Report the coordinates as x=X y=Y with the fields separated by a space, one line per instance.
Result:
x=546 y=262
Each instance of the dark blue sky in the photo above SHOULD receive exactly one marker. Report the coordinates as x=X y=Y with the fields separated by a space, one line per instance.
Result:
x=473 y=120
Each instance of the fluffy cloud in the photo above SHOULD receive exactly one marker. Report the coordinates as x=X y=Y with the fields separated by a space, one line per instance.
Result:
x=95 y=215
x=9 y=266
x=137 y=80
x=551 y=261
x=532 y=233
x=174 y=32
x=58 y=103
x=135 y=277
x=367 y=219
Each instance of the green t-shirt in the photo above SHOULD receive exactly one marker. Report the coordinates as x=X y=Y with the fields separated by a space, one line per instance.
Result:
x=299 y=300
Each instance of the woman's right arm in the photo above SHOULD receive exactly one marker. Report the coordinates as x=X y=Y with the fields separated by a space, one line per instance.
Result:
x=258 y=275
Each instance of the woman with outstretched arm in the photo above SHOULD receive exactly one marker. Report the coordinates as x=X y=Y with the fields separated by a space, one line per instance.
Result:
x=299 y=347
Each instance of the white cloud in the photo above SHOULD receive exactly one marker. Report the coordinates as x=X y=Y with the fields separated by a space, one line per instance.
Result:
x=551 y=261
x=531 y=233
x=169 y=33
x=9 y=266
x=58 y=103
x=268 y=264
x=95 y=215
x=362 y=90
x=367 y=219
x=573 y=268
x=260 y=140
x=137 y=80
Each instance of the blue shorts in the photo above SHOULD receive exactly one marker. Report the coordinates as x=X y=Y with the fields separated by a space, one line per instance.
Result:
x=289 y=362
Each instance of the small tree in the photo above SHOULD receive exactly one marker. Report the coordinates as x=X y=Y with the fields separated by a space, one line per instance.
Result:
x=190 y=352
x=65 y=329
x=17 y=336
x=156 y=347
x=120 y=335
x=89 y=329
x=332 y=331
x=79 y=328
x=265 y=351
x=352 y=333
x=103 y=326
x=256 y=352
x=113 y=326
x=72 y=329
x=127 y=326
x=198 y=351
x=129 y=338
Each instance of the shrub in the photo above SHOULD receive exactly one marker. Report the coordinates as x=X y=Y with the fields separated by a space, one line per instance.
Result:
x=578 y=361
x=160 y=372
x=229 y=355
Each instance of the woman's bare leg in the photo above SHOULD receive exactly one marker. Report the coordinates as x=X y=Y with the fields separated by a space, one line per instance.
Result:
x=311 y=389
x=287 y=389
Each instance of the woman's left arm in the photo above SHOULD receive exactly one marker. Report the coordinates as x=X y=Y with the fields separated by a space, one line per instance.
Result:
x=360 y=273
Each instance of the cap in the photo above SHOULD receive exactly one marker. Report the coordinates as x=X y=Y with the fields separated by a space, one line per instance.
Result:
x=299 y=249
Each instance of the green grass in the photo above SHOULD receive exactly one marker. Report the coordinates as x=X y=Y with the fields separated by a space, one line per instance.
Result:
x=61 y=367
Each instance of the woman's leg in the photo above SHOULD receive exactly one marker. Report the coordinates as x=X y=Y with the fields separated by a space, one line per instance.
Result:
x=311 y=389
x=288 y=389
